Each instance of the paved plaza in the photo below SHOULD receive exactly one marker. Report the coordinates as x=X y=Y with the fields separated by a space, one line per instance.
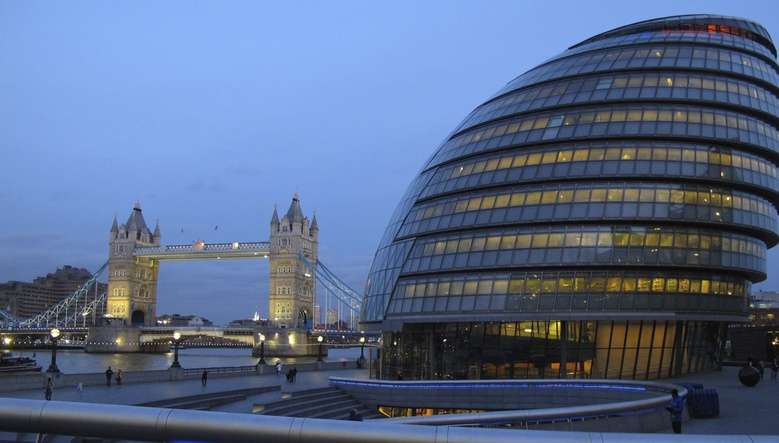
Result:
x=138 y=393
x=743 y=410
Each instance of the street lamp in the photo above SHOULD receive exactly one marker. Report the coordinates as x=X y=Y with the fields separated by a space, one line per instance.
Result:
x=262 y=350
x=176 y=338
x=7 y=341
x=55 y=333
x=361 y=361
x=320 y=339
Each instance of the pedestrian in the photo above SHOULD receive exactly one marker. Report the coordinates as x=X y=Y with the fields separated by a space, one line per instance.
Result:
x=118 y=377
x=761 y=368
x=294 y=373
x=108 y=374
x=80 y=388
x=278 y=367
x=676 y=408
x=774 y=369
x=204 y=378
x=354 y=416
x=289 y=376
x=49 y=389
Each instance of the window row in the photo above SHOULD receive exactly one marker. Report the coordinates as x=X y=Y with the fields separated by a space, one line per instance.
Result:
x=592 y=236
x=536 y=283
x=708 y=156
x=602 y=212
x=614 y=121
x=590 y=256
x=620 y=87
x=671 y=36
x=650 y=56
x=645 y=349
x=612 y=193
x=505 y=169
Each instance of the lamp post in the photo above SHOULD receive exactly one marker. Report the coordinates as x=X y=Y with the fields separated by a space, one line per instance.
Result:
x=361 y=361
x=176 y=338
x=320 y=339
x=54 y=333
x=262 y=350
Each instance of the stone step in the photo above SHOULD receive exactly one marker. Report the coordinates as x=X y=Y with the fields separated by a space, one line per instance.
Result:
x=312 y=410
x=291 y=406
x=328 y=402
x=302 y=398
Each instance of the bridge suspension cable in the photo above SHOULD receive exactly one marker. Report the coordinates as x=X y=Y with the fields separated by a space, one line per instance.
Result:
x=73 y=310
x=346 y=298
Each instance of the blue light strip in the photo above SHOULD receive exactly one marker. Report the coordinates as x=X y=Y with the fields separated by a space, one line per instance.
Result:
x=508 y=384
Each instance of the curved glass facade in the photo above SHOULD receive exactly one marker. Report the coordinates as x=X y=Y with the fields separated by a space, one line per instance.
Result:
x=602 y=215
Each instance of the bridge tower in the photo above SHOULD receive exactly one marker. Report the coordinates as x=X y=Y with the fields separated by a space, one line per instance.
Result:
x=294 y=250
x=132 y=281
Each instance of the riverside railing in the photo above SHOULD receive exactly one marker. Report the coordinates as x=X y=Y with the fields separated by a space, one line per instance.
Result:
x=157 y=424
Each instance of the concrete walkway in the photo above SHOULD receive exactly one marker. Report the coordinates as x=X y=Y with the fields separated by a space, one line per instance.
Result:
x=743 y=410
x=137 y=393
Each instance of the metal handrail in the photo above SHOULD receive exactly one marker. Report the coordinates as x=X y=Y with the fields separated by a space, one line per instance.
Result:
x=159 y=424
x=527 y=415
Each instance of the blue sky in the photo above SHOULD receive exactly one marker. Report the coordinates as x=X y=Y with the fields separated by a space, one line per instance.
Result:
x=211 y=112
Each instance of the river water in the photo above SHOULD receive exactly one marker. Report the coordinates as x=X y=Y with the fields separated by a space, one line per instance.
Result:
x=75 y=361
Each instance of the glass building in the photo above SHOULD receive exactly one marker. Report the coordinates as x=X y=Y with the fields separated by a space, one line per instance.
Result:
x=603 y=215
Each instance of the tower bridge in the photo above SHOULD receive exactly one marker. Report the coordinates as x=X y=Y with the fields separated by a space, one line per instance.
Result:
x=126 y=314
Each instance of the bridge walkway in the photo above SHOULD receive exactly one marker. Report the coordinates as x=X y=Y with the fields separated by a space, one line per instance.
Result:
x=170 y=391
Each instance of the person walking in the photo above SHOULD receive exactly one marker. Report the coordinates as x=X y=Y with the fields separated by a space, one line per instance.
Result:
x=80 y=389
x=761 y=368
x=289 y=376
x=676 y=408
x=49 y=389
x=118 y=377
x=774 y=369
x=278 y=367
x=108 y=374
x=294 y=373
x=204 y=378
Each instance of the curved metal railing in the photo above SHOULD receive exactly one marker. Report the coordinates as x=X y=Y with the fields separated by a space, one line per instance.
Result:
x=523 y=416
x=158 y=424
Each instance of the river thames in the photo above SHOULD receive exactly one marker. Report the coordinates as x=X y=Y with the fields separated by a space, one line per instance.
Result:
x=76 y=361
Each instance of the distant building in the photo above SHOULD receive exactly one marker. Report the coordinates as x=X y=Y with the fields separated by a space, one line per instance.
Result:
x=758 y=339
x=183 y=320
x=246 y=323
x=24 y=300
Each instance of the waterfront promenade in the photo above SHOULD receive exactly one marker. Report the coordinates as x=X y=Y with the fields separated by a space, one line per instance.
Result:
x=142 y=393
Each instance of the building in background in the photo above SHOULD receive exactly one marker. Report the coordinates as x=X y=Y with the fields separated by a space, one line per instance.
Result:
x=759 y=338
x=602 y=215
x=182 y=320
x=25 y=300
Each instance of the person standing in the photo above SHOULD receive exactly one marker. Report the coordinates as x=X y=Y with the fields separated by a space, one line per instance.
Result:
x=278 y=367
x=118 y=377
x=204 y=378
x=676 y=408
x=774 y=369
x=49 y=389
x=294 y=373
x=108 y=374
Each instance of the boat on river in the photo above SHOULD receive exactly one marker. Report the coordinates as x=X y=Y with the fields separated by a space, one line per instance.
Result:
x=9 y=364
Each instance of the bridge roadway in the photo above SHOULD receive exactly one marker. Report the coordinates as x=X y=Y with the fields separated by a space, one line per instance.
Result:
x=254 y=249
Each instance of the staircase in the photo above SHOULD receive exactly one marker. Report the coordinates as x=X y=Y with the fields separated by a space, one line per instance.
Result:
x=329 y=402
